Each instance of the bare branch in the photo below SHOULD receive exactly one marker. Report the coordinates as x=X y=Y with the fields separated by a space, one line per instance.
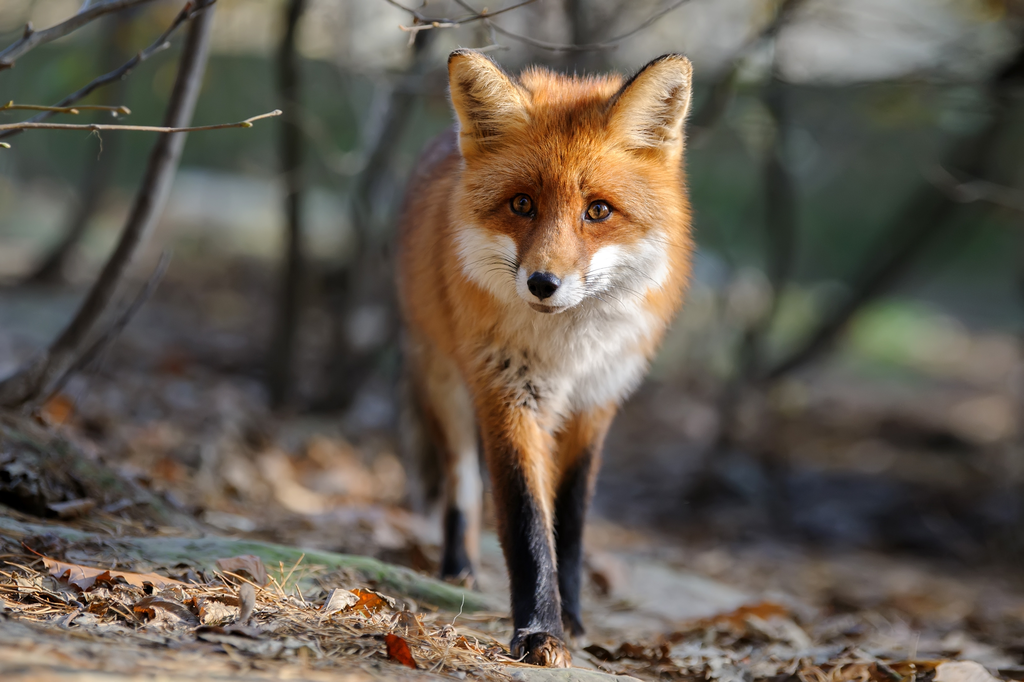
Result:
x=106 y=338
x=423 y=22
x=609 y=44
x=721 y=90
x=11 y=106
x=159 y=45
x=33 y=39
x=28 y=125
x=970 y=191
x=38 y=375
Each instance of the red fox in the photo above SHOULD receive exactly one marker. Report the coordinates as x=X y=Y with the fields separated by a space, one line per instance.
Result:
x=544 y=247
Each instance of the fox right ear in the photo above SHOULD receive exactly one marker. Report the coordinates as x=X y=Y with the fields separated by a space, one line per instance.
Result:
x=486 y=100
x=650 y=110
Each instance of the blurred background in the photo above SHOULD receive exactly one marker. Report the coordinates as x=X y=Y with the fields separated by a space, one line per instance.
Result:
x=847 y=373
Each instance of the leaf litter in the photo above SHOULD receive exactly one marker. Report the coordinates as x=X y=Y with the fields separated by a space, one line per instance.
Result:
x=244 y=620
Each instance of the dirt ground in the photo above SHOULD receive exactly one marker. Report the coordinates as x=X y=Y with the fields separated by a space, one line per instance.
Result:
x=863 y=535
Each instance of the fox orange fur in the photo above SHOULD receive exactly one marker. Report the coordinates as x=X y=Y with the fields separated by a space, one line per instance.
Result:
x=544 y=248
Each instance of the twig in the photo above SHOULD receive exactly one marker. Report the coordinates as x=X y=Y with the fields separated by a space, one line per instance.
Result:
x=113 y=331
x=609 y=44
x=121 y=72
x=970 y=191
x=27 y=125
x=32 y=39
x=11 y=106
x=38 y=374
x=721 y=90
x=96 y=175
x=424 y=22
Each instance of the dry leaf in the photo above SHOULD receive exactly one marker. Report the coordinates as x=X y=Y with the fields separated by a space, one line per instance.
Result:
x=72 y=508
x=246 y=603
x=248 y=566
x=215 y=612
x=963 y=671
x=371 y=602
x=398 y=650
x=85 y=577
x=168 y=610
x=57 y=410
x=339 y=600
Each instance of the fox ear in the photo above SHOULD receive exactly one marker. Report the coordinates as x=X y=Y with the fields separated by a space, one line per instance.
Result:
x=486 y=100
x=649 y=111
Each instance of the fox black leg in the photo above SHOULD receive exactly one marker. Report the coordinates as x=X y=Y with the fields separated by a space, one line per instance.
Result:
x=517 y=470
x=571 y=504
x=455 y=563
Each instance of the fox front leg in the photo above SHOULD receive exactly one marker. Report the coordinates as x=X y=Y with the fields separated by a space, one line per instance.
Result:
x=519 y=456
x=579 y=458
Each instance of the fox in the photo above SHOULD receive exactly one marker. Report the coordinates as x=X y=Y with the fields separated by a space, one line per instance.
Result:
x=543 y=249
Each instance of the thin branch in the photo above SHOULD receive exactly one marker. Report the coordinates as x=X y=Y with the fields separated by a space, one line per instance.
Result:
x=970 y=191
x=609 y=44
x=107 y=337
x=423 y=22
x=36 y=376
x=721 y=91
x=11 y=106
x=28 y=125
x=121 y=72
x=33 y=39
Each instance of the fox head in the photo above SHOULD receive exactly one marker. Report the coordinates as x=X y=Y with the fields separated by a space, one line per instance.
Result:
x=571 y=188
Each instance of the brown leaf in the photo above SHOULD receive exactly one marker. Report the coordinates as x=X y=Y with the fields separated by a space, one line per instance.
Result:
x=371 y=602
x=246 y=603
x=159 y=608
x=85 y=577
x=398 y=650
x=57 y=410
x=247 y=565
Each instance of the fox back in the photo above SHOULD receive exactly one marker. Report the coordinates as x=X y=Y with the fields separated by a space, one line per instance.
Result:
x=544 y=247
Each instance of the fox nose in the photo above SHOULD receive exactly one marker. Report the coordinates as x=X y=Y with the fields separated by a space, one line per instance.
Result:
x=543 y=284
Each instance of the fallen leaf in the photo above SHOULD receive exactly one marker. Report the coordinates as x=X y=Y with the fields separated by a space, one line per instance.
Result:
x=165 y=610
x=215 y=612
x=398 y=650
x=57 y=410
x=963 y=671
x=371 y=602
x=247 y=565
x=339 y=600
x=246 y=603
x=72 y=508
x=85 y=577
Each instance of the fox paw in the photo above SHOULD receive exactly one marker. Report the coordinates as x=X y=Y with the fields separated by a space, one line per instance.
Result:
x=540 y=648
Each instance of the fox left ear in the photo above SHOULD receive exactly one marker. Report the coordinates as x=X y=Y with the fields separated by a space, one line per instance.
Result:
x=487 y=102
x=650 y=109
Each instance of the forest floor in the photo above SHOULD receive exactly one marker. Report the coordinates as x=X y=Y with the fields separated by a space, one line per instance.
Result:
x=230 y=543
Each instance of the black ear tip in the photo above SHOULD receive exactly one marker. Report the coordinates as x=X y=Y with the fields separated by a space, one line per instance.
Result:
x=461 y=52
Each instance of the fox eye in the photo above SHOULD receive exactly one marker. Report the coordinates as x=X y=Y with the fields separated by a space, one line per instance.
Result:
x=598 y=211
x=522 y=204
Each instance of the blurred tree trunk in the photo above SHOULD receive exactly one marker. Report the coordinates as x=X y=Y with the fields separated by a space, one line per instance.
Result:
x=289 y=303
x=365 y=289
x=96 y=175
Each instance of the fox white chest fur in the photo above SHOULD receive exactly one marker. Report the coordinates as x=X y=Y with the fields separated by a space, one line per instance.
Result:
x=589 y=356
